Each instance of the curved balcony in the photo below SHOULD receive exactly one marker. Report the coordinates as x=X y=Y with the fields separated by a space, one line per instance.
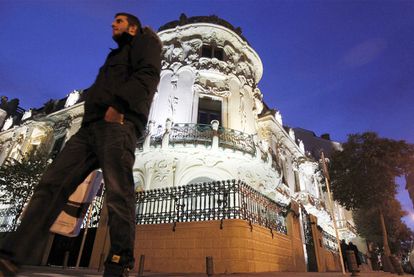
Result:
x=219 y=200
x=210 y=135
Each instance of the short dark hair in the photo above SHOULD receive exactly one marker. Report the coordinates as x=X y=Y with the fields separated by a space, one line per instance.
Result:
x=132 y=19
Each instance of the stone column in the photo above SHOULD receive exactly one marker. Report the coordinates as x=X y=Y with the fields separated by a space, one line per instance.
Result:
x=147 y=140
x=166 y=136
x=215 y=141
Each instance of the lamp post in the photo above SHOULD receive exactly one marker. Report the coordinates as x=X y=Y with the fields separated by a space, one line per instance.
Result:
x=326 y=174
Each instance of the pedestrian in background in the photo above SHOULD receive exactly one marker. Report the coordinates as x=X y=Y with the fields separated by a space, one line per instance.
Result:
x=344 y=247
x=354 y=248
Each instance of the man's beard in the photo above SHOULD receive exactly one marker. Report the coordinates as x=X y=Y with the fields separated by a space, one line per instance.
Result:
x=124 y=37
x=118 y=36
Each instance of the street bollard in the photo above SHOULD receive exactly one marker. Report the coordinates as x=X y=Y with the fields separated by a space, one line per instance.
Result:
x=141 y=266
x=66 y=259
x=352 y=263
x=397 y=265
x=209 y=266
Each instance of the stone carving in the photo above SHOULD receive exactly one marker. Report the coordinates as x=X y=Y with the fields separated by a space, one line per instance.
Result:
x=250 y=177
x=185 y=52
x=213 y=39
x=209 y=160
x=210 y=86
x=238 y=65
x=27 y=114
x=178 y=53
x=269 y=180
x=72 y=98
x=174 y=80
x=242 y=110
x=265 y=133
x=232 y=55
x=242 y=68
x=172 y=104
x=291 y=133
x=258 y=101
x=278 y=117
x=8 y=123
x=301 y=146
x=160 y=169
x=213 y=65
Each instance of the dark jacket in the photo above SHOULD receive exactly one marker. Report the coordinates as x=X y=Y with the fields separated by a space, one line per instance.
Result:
x=128 y=79
x=354 y=248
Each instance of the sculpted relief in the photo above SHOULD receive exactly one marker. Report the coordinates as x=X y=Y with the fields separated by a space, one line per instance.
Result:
x=210 y=86
x=184 y=52
x=180 y=52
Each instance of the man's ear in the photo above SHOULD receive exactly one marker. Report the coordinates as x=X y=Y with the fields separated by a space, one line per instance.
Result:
x=132 y=30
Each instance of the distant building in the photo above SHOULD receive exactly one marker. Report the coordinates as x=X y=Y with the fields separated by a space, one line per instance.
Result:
x=314 y=145
x=217 y=173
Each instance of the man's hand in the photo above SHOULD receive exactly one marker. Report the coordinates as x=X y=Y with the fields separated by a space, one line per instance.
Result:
x=113 y=115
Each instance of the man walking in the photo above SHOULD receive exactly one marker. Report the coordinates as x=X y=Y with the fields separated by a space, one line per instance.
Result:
x=116 y=110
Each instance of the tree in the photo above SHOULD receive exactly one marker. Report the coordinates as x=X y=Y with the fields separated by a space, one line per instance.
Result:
x=18 y=179
x=368 y=224
x=364 y=173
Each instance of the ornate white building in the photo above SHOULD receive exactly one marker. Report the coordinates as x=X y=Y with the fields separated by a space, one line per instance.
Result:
x=208 y=121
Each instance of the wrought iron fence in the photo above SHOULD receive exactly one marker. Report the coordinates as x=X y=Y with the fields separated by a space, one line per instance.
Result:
x=229 y=138
x=156 y=137
x=97 y=205
x=329 y=241
x=191 y=133
x=219 y=200
x=8 y=222
x=7 y=219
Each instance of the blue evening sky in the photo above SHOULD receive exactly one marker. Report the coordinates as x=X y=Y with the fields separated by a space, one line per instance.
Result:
x=332 y=66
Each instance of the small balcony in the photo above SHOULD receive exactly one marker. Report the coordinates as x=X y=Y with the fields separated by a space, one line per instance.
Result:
x=211 y=136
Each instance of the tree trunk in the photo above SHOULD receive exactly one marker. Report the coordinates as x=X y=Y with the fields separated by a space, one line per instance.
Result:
x=387 y=250
x=386 y=262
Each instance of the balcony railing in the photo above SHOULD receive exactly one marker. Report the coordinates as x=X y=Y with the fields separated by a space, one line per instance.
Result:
x=219 y=200
x=209 y=135
x=345 y=224
x=329 y=241
x=191 y=133
x=233 y=139
x=7 y=220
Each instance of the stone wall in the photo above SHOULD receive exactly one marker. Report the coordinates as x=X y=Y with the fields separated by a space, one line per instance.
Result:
x=235 y=248
x=332 y=262
x=326 y=260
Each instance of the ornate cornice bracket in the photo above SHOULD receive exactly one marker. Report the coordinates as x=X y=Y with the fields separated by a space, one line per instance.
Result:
x=210 y=86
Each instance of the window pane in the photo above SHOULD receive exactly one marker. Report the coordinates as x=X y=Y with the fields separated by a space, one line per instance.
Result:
x=218 y=53
x=206 y=51
x=203 y=117
x=208 y=110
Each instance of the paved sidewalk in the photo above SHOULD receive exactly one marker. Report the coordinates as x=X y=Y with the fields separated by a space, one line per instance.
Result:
x=71 y=272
